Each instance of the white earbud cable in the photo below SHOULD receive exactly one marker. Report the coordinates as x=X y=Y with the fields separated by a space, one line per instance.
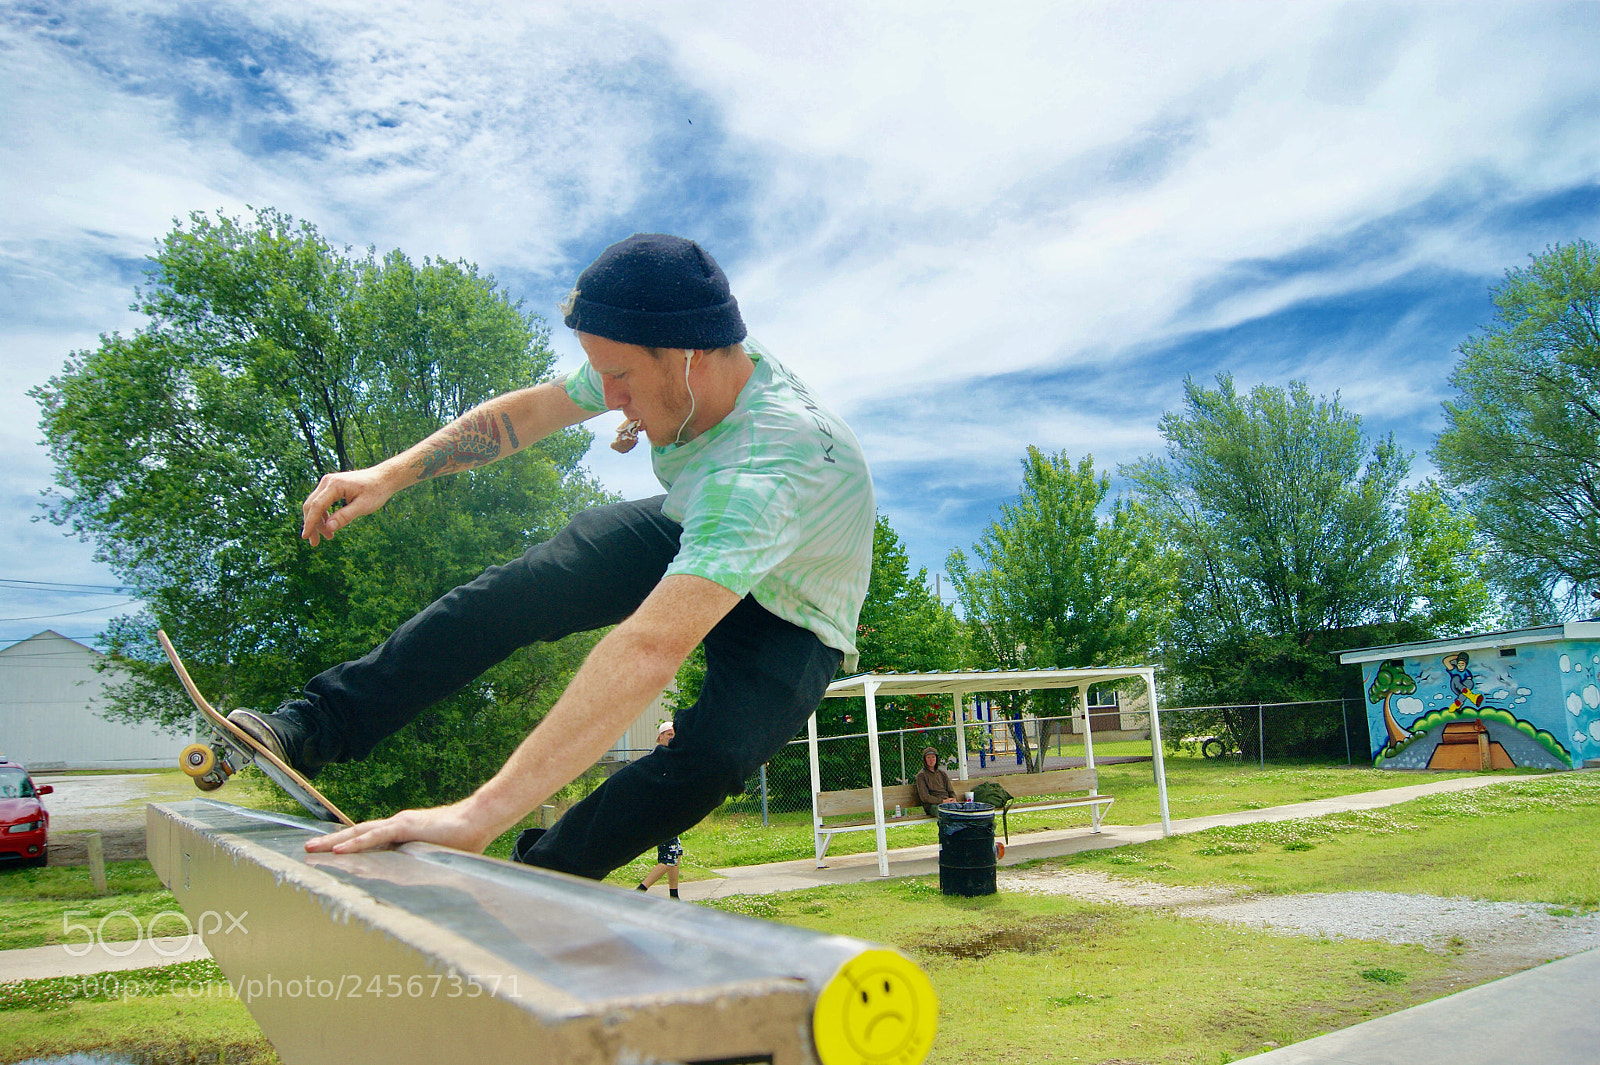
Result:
x=688 y=357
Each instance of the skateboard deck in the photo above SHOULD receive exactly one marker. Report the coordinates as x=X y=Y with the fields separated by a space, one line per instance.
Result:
x=231 y=749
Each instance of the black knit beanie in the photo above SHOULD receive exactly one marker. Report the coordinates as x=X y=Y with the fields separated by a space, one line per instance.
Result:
x=658 y=291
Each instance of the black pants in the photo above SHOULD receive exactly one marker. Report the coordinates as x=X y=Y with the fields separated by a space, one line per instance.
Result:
x=764 y=677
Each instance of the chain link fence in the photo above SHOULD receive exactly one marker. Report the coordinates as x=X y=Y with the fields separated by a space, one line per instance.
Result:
x=784 y=784
x=1332 y=731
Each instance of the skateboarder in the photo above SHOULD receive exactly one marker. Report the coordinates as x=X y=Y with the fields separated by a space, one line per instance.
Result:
x=760 y=549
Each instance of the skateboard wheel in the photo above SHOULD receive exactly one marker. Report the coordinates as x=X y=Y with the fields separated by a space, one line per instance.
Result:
x=197 y=760
x=210 y=782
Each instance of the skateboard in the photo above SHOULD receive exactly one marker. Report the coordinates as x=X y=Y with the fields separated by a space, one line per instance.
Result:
x=230 y=749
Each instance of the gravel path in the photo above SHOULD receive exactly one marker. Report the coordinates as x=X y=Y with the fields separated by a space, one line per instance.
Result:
x=109 y=803
x=1491 y=937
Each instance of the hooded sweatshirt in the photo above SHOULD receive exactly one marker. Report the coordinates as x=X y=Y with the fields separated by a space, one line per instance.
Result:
x=933 y=785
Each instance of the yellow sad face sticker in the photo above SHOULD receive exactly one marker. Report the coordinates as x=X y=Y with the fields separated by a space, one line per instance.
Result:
x=879 y=1009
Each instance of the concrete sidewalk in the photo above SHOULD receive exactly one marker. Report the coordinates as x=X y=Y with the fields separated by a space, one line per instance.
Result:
x=38 y=963
x=924 y=860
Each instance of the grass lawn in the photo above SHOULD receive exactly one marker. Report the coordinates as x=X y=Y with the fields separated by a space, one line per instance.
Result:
x=38 y=905
x=1028 y=980
x=1095 y=983
x=1530 y=840
x=183 y=1012
x=1195 y=787
x=1056 y=980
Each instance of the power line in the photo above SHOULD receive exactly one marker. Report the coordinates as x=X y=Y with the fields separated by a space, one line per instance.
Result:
x=70 y=613
x=78 y=589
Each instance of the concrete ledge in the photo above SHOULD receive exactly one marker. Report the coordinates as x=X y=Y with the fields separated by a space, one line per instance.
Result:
x=422 y=953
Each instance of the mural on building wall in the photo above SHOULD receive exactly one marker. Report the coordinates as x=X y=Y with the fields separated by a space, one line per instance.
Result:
x=1458 y=712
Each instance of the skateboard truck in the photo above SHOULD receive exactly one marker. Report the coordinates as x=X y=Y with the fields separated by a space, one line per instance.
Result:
x=208 y=764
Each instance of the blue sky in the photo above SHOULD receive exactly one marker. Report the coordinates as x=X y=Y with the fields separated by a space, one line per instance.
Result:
x=971 y=227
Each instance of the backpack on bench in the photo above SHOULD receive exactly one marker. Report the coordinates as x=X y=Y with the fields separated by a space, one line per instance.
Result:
x=995 y=794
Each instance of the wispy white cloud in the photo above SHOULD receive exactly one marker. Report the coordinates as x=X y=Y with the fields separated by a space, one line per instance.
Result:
x=971 y=228
x=1297 y=124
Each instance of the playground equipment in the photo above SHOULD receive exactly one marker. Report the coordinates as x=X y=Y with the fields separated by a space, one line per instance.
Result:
x=421 y=953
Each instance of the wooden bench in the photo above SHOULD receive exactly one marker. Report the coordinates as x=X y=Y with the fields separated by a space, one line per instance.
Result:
x=856 y=801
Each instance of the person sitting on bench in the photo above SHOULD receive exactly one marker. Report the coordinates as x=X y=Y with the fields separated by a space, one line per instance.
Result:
x=933 y=783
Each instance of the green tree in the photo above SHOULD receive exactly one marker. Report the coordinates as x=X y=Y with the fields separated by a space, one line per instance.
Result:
x=903 y=629
x=1522 y=436
x=183 y=452
x=1442 y=587
x=1055 y=585
x=1287 y=524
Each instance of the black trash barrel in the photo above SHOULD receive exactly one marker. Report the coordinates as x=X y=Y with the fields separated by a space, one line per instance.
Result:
x=966 y=848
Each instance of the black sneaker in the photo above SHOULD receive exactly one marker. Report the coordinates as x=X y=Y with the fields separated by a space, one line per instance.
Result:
x=286 y=734
x=522 y=849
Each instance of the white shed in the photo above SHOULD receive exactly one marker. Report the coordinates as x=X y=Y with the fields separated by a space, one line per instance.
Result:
x=50 y=700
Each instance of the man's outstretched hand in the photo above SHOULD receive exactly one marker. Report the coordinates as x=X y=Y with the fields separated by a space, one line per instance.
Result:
x=448 y=826
x=361 y=492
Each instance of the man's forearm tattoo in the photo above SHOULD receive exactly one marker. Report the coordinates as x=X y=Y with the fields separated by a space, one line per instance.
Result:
x=511 y=434
x=471 y=442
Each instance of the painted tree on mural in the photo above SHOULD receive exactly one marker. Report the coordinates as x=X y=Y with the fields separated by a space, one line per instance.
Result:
x=1390 y=680
x=1522 y=439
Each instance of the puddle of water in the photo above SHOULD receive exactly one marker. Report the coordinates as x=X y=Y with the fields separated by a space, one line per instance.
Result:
x=992 y=942
x=1038 y=934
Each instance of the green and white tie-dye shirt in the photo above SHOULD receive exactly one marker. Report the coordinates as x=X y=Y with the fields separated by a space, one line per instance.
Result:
x=775 y=500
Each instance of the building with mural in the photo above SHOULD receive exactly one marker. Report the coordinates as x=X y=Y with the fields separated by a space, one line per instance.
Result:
x=1528 y=697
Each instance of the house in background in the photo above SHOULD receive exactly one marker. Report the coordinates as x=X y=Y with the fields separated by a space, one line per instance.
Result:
x=50 y=701
x=1527 y=697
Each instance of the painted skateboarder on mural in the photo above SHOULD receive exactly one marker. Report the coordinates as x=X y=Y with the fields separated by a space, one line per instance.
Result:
x=1467 y=733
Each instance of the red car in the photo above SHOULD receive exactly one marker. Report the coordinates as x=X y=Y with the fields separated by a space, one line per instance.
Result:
x=24 y=822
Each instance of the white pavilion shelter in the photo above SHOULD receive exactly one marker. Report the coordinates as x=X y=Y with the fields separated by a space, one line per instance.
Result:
x=958 y=686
